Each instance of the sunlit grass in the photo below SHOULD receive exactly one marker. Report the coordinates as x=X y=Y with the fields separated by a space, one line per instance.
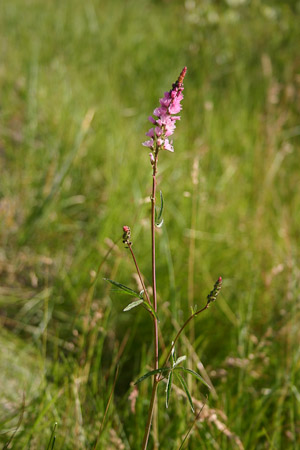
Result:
x=78 y=81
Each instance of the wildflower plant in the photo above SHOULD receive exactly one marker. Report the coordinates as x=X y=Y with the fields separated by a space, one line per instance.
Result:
x=163 y=122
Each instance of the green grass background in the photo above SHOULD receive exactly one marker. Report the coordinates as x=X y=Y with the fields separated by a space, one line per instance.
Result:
x=78 y=81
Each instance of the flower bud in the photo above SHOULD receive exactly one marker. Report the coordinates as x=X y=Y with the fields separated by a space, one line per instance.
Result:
x=215 y=292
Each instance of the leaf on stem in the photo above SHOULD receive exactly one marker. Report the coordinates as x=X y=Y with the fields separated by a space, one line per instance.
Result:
x=122 y=287
x=151 y=310
x=160 y=224
x=173 y=354
x=184 y=385
x=133 y=305
x=145 y=304
x=152 y=372
x=179 y=360
x=158 y=215
x=195 y=374
x=168 y=388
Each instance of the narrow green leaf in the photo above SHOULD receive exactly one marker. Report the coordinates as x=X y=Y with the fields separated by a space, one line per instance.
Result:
x=133 y=305
x=173 y=354
x=179 y=360
x=152 y=372
x=195 y=374
x=122 y=287
x=158 y=215
x=168 y=388
x=184 y=385
x=161 y=206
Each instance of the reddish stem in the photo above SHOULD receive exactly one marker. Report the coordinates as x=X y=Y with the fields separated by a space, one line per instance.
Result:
x=156 y=378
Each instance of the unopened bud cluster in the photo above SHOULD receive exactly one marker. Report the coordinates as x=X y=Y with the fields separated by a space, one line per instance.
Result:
x=126 y=235
x=214 y=293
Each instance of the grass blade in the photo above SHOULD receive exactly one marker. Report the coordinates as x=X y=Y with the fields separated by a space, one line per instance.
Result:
x=107 y=406
x=8 y=443
x=52 y=438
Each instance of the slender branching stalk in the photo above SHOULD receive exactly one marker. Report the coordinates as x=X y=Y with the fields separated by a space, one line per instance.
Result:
x=163 y=127
x=210 y=298
x=139 y=273
x=180 y=331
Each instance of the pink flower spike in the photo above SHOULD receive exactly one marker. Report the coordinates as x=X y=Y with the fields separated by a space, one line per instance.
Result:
x=170 y=104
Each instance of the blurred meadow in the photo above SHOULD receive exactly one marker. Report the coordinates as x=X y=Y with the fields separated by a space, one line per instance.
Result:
x=78 y=81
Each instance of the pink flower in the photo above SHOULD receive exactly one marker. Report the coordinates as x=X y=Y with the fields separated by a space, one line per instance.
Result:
x=150 y=133
x=151 y=158
x=170 y=104
x=149 y=143
x=158 y=131
x=168 y=145
x=175 y=107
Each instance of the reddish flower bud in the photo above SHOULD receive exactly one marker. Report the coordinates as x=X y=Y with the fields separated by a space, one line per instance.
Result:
x=182 y=75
